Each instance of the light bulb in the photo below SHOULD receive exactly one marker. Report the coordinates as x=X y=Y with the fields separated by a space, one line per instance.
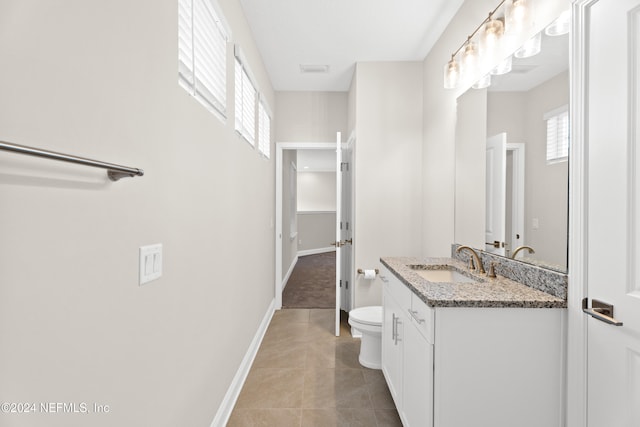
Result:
x=560 y=26
x=518 y=16
x=451 y=74
x=493 y=31
x=530 y=48
x=469 y=58
x=483 y=82
x=503 y=67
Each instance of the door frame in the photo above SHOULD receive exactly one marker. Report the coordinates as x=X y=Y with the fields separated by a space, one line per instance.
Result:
x=280 y=147
x=576 y=394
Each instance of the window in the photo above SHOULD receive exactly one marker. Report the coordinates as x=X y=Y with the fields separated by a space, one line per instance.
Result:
x=557 y=135
x=245 y=101
x=202 y=53
x=264 y=130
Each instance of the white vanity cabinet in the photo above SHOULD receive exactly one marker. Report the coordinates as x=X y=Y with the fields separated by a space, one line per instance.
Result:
x=407 y=352
x=467 y=366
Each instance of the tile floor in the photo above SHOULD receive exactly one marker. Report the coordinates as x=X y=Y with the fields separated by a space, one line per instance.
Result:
x=304 y=375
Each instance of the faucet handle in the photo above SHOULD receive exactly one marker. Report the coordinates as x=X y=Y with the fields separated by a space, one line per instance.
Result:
x=472 y=266
x=492 y=272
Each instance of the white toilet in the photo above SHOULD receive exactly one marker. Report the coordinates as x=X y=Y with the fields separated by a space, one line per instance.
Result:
x=368 y=321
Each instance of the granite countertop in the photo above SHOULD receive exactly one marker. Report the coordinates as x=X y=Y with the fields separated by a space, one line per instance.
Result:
x=486 y=292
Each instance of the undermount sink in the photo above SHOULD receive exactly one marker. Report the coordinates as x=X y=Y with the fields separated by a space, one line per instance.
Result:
x=442 y=274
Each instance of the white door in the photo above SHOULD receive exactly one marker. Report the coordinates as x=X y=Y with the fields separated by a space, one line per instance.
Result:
x=346 y=227
x=496 y=176
x=613 y=212
x=339 y=243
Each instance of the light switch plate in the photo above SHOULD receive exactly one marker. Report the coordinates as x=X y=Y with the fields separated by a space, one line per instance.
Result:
x=150 y=263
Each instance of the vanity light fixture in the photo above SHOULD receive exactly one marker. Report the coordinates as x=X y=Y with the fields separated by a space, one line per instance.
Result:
x=530 y=48
x=503 y=67
x=469 y=58
x=451 y=73
x=560 y=26
x=483 y=82
x=518 y=15
x=491 y=34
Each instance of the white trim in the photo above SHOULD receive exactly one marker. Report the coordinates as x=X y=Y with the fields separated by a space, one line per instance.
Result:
x=316 y=251
x=230 y=398
x=576 y=401
x=285 y=279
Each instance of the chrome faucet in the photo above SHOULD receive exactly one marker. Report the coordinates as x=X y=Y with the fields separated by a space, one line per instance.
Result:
x=474 y=256
x=519 y=248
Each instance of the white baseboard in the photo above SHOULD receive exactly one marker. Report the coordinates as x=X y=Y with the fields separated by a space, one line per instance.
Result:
x=316 y=251
x=230 y=398
x=289 y=271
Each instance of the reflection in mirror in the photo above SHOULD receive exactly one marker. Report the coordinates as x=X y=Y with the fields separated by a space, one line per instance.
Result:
x=511 y=160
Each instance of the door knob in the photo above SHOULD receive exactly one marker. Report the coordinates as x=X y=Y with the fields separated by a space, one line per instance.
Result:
x=496 y=244
x=601 y=311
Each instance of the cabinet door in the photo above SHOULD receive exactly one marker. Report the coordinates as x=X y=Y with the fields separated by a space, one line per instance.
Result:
x=417 y=403
x=392 y=335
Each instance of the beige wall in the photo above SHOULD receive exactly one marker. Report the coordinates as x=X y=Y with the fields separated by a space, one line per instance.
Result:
x=316 y=191
x=316 y=230
x=99 y=79
x=316 y=210
x=311 y=116
x=388 y=208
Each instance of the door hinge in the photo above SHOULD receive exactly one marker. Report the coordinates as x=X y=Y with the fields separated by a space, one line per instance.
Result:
x=340 y=283
x=340 y=225
x=344 y=166
x=346 y=285
x=347 y=225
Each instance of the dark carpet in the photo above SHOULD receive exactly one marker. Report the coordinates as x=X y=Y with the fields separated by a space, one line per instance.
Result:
x=312 y=283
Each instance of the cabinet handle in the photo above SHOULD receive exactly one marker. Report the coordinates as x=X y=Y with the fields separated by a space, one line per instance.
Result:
x=393 y=326
x=414 y=314
x=383 y=278
x=398 y=322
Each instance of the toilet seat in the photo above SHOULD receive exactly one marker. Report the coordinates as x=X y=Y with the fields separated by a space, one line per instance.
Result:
x=371 y=316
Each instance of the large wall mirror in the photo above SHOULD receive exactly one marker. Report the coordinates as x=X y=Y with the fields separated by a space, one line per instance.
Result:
x=511 y=160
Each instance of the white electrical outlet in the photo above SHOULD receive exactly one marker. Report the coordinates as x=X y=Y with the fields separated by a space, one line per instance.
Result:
x=150 y=263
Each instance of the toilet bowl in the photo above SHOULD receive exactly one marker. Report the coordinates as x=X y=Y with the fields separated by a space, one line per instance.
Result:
x=368 y=321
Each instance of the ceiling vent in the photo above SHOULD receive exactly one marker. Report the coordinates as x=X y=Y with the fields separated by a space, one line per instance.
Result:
x=315 y=69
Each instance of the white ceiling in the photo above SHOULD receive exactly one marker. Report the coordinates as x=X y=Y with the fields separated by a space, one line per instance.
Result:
x=339 y=33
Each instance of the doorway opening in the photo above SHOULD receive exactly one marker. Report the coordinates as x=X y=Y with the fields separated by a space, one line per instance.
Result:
x=313 y=208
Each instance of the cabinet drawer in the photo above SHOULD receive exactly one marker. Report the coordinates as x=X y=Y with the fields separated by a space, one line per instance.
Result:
x=423 y=317
x=396 y=289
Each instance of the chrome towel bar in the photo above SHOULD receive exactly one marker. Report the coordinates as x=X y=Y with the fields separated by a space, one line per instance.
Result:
x=114 y=172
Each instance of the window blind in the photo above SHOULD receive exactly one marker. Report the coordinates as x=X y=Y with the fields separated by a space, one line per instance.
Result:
x=557 y=135
x=245 y=104
x=202 y=53
x=264 y=130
